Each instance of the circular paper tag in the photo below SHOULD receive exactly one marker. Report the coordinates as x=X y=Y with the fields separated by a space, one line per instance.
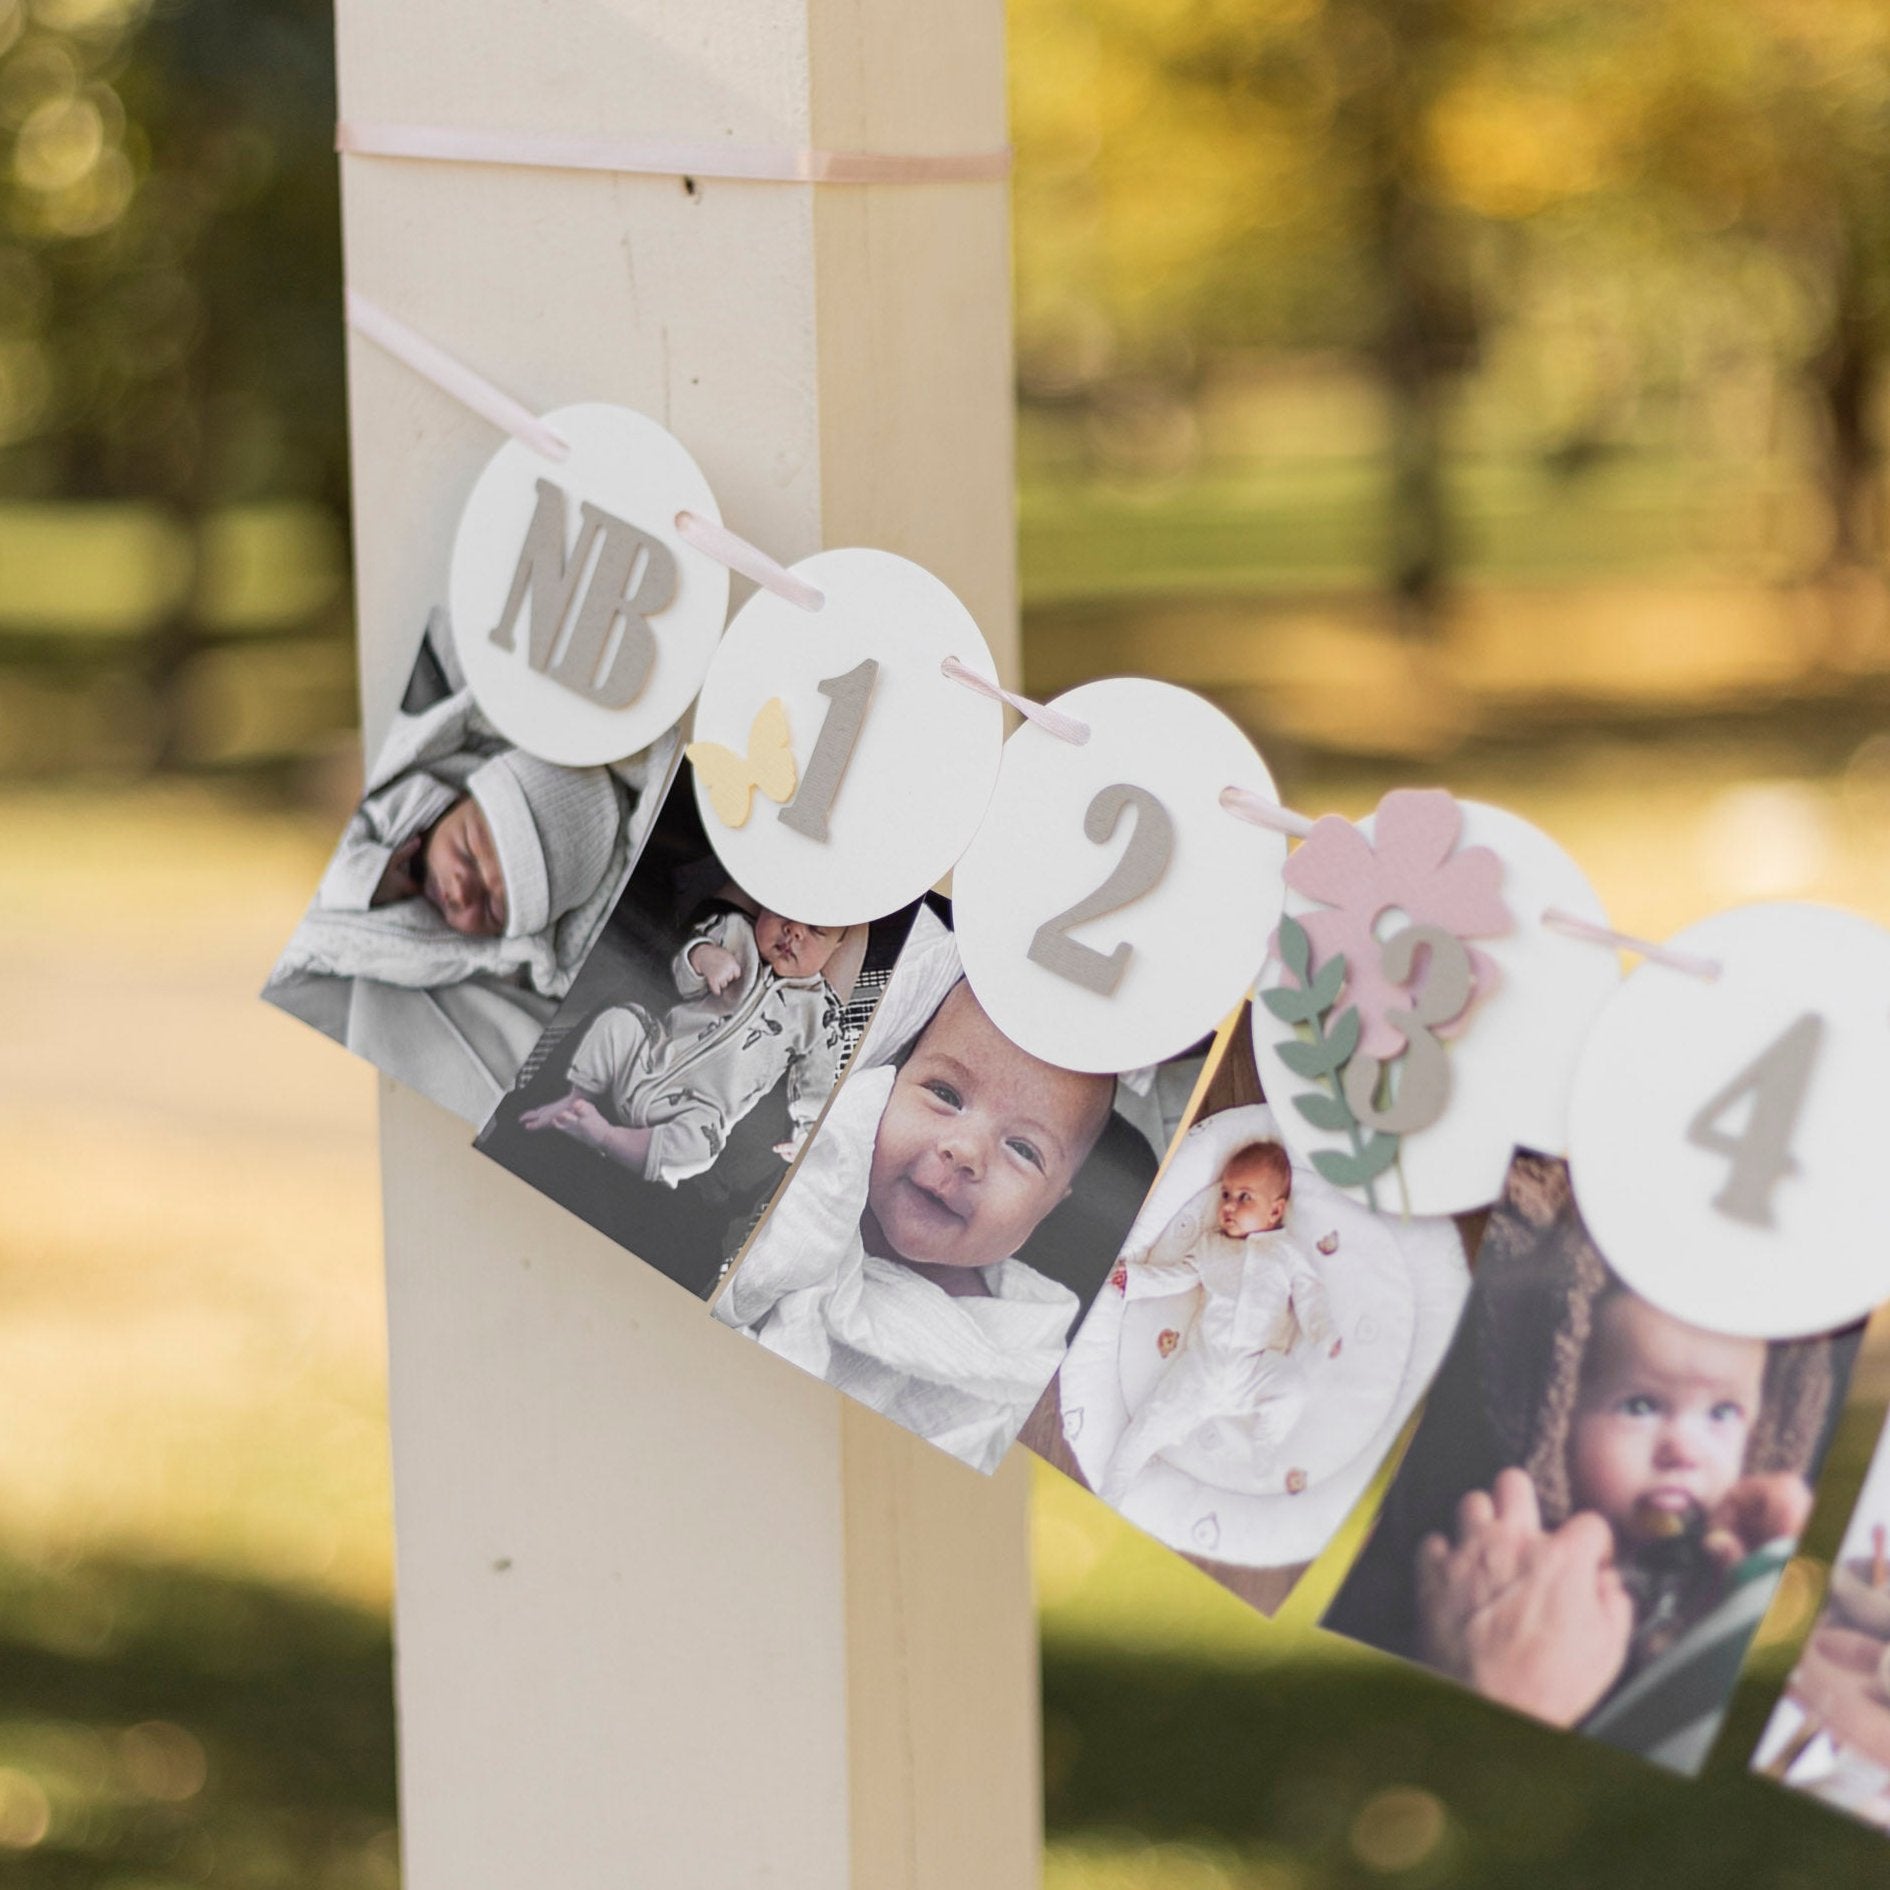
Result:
x=1510 y=1064
x=583 y=621
x=838 y=770
x=1110 y=911
x=1726 y=1135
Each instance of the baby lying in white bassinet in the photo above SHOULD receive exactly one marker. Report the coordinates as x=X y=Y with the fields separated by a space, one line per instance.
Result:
x=1239 y=1384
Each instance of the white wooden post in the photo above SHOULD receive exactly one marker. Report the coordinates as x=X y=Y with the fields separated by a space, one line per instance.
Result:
x=670 y=1614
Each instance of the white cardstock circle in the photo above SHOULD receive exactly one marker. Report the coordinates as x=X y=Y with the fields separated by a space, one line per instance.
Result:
x=1666 y=1048
x=1194 y=937
x=1511 y=1067
x=629 y=469
x=920 y=774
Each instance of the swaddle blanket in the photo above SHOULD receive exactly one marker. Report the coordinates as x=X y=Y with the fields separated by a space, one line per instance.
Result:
x=962 y=1373
x=421 y=770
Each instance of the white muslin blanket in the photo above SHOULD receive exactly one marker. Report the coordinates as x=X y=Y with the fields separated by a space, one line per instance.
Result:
x=962 y=1373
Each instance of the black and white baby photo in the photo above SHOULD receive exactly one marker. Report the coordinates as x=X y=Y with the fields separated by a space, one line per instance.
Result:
x=1257 y=1352
x=691 y=1057
x=470 y=883
x=956 y=1210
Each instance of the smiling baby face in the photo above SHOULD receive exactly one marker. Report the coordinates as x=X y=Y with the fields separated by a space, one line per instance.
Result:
x=978 y=1143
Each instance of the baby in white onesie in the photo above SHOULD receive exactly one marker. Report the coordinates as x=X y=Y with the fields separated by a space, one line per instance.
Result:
x=660 y=1094
x=1239 y=1384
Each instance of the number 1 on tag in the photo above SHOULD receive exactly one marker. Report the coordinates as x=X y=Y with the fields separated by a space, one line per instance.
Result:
x=1760 y=1153
x=833 y=748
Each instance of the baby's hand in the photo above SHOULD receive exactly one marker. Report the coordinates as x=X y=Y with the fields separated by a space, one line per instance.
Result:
x=583 y=1121
x=401 y=878
x=1755 y=1511
x=546 y=1115
x=716 y=966
x=787 y=1150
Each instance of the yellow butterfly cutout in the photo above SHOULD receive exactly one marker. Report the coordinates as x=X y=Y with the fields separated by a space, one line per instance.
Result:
x=731 y=779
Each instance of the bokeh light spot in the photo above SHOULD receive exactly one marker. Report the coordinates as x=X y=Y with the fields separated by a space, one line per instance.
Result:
x=163 y=1761
x=25 y=1812
x=59 y=144
x=1398 y=1829
x=1766 y=839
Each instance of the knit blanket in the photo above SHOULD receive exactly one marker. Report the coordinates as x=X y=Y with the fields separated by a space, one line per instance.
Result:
x=422 y=768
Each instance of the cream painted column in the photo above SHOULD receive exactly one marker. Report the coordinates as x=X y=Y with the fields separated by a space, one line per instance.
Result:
x=670 y=1614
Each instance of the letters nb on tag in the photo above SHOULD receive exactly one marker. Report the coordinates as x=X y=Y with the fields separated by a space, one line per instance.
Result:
x=604 y=650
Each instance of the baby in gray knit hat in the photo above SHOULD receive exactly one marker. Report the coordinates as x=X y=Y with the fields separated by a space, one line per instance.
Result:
x=469 y=885
x=525 y=843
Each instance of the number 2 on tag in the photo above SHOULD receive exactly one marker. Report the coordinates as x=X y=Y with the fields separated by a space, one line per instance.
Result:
x=1760 y=1153
x=1144 y=860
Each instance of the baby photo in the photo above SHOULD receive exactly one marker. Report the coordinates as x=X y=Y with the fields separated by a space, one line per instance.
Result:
x=1257 y=1351
x=691 y=1056
x=1599 y=1499
x=1829 y=1736
x=469 y=885
x=956 y=1210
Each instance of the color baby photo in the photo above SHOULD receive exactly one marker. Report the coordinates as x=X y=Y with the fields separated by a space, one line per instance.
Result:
x=1256 y=1352
x=469 y=886
x=955 y=1213
x=694 y=1052
x=1599 y=1499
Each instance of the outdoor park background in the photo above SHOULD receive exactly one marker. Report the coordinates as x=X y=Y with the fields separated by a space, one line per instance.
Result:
x=1487 y=394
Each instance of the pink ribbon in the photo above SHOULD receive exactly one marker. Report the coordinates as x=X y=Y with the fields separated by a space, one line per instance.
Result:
x=1571 y=925
x=1257 y=811
x=757 y=163
x=729 y=548
x=1066 y=728
x=452 y=376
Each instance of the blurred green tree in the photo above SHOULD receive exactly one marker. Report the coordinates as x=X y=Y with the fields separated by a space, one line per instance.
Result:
x=1625 y=199
x=170 y=266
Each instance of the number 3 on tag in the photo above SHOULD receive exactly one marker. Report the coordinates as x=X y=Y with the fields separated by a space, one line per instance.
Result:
x=1776 y=1080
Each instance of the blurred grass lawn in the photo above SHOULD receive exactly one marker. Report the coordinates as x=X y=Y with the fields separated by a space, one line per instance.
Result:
x=194 y=1554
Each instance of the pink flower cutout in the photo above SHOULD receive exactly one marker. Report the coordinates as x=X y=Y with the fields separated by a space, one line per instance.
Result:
x=1409 y=866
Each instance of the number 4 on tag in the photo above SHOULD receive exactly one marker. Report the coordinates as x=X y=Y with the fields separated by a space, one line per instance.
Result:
x=1760 y=1152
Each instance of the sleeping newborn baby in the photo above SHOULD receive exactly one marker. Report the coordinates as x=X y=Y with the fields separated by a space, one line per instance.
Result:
x=522 y=844
x=1239 y=1384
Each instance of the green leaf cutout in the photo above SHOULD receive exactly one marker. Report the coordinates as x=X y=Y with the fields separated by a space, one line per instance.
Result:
x=1295 y=949
x=1342 y=1037
x=1290 y=1006
x=1325 y=987
x=1323 y=1111
x=1356 y=1171
x=1310 y=1060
